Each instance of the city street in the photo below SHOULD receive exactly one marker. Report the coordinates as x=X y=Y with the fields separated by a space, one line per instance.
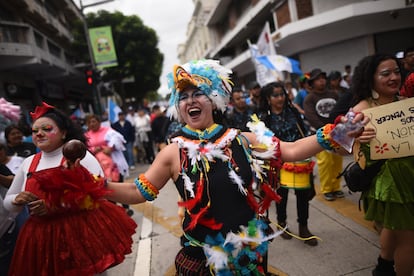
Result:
x=348 y=245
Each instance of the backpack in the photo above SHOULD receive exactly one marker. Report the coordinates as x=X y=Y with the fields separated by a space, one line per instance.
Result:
x=358 y=179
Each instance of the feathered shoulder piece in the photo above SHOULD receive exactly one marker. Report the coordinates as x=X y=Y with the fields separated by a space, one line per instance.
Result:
x=268 y=143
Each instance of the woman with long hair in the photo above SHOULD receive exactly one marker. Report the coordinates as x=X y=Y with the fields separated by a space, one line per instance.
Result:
x=390 y=199
x=285 y=121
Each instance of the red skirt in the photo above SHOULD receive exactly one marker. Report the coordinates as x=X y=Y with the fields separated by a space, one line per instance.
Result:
x=82 y=234
x=81 y=243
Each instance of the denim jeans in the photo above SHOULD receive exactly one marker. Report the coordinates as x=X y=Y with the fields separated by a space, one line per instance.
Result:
x=129 y=153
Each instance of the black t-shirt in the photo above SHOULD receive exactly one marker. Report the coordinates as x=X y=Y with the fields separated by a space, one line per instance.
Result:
x=4 y=170
x=25 y=149
x=159 y=129
x=342 y=106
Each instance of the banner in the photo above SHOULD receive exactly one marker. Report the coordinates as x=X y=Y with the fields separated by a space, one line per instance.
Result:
x=394 y=124
x=103 y=47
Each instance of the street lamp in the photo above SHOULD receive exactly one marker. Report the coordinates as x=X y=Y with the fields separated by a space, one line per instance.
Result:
x=95 y=90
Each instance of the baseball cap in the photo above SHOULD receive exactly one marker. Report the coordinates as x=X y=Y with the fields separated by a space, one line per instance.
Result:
x=315 y=73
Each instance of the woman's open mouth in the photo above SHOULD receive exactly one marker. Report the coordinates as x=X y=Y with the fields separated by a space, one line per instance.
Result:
x=194 y=112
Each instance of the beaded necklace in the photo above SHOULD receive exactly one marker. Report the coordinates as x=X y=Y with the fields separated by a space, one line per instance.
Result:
x=206 y=134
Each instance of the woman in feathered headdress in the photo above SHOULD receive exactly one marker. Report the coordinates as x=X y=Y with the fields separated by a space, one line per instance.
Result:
x=219 y=173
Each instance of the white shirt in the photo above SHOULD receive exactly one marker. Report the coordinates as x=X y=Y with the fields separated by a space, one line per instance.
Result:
x=14 y=163
x=142 y=123
x=48 y=160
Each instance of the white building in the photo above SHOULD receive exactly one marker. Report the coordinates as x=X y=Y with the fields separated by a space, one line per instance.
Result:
x=198 y=35
x=327 y=34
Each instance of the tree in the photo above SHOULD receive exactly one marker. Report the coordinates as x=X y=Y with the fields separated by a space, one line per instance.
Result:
x=136 y=47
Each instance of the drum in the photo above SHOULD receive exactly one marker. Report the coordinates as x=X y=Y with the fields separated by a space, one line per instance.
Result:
x=296 y=175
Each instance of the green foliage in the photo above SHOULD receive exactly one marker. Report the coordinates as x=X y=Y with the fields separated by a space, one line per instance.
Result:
x=136 y=48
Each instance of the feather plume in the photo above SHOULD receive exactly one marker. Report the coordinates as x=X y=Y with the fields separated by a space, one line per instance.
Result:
x=191 y=203
x=210 y=223
x=252 y=201
x=270 y=153
x=216 y=257
x=188 y=184
x=220 y=101
x=270 y=195
x=237 y=180
x=196 y=217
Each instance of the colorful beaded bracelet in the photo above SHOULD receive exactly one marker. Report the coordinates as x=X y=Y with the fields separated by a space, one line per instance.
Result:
x=148 y=191
x=324 y=138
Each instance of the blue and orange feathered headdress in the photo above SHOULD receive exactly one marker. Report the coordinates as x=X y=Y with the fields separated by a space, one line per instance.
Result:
x=207 y=75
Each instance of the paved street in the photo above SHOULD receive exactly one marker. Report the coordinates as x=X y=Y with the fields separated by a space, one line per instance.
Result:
x=348 y=246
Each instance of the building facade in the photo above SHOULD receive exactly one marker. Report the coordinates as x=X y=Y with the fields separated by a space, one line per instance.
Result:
x=327 y=34
x=35 y=59
x=198 y=35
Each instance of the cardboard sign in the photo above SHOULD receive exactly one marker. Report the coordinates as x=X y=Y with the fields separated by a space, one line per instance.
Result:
x=394 y=124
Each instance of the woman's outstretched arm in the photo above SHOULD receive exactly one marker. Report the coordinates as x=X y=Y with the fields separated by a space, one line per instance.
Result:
x=306 y=147
x=165 y=166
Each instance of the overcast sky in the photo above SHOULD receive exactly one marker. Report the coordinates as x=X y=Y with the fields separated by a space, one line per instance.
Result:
x=169 y=18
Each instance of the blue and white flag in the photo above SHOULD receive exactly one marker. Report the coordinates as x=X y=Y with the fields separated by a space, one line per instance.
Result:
x=264 y=47
x=113 y=110
x=264 y=74
x=280 y=63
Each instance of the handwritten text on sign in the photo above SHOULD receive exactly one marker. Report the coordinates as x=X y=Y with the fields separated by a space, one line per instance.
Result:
x=394 y=124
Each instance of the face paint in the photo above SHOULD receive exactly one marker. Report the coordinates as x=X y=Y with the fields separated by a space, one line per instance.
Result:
x=44 y=128
x=46 y=134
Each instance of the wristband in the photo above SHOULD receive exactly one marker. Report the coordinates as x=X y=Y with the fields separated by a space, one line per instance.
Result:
x=148 y=191
x=324 y=138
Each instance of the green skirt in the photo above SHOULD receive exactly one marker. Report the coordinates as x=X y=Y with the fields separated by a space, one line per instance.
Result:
x=390 y=199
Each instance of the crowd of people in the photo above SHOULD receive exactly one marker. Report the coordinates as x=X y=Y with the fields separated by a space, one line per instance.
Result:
x=377 y=80
x=230 y=156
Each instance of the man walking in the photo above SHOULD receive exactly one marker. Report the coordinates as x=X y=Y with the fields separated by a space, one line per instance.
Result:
x=125 y=127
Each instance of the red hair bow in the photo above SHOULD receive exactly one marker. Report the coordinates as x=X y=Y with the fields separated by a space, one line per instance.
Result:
x=40 y=110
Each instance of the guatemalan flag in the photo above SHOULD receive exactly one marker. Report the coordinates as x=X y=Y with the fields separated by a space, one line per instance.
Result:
x=280 y=63
x=113 y=110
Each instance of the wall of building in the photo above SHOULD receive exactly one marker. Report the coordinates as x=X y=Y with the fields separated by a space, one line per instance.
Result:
x=335 y=56
x=198 y=36
x=321 y=33
x=320 y=6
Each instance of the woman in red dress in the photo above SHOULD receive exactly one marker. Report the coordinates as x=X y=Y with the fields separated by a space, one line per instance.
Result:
x=72 y=229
